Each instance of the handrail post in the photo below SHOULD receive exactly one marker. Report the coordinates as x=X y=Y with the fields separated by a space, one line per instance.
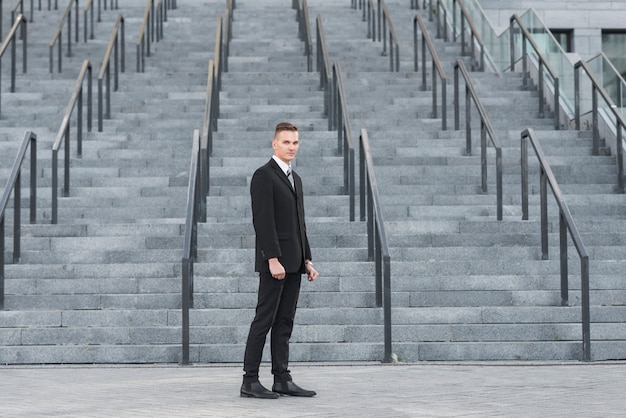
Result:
x=387 y=307
x=14 y=184
x=378 y=250
x=566 y=223
x=557 y=105
x=620 y=157
x=457 y=106
x=577 y=96
x=444 y=104
x=524 y=171
x=415 y=54
x=543 y=192
x=563 y=260
x=595 y=121
x=586 y=316
x=2 y=262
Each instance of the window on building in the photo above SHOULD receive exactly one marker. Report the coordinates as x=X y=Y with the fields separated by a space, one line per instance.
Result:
x=565 y=38
x=614 y=47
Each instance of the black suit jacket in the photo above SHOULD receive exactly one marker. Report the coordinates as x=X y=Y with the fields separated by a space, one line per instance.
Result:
x=278 y=219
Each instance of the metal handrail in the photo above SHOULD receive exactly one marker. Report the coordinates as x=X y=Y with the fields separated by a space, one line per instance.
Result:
x=198 y=188
x=620 y=123
x=324 y=67
x=57 y=40
x=378 y=249
x=147 y=32
x=566 y=223
x=304 y=31
x=14 y=184
x=427 y=44
x=105 y=7
x=89 y=18
x=56 y=5
x=208 y=127
x=20 y=4
x=474 y=35
x=345 y=144
x=228 y=34
x=11 y=39
x=116 y=42
x=384 y=19
x=371 y=20
x=486 y=129
x=76 y=102
x=442 y=16
x=394 y=44
x=218 y=60
x=190 y=242
x=543 y=63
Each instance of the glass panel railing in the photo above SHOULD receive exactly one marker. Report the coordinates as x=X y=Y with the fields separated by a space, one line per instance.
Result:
x=496 y=44
x=556 y=56
x=610 y=78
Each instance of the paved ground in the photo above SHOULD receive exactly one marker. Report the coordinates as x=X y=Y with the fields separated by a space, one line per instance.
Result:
x=345 y=390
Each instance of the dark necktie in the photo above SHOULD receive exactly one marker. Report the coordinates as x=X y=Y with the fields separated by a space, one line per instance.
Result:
x=290 y=177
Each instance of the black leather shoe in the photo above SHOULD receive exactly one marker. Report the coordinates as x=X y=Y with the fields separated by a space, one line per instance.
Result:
x=257 y=390
x=291 y=389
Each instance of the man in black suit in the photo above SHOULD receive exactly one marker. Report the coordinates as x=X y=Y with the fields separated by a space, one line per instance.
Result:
x=282 y=256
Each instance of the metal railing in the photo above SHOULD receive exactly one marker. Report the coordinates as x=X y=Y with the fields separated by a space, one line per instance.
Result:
x=190 y=243
x=304 y=30
x=345 y=144
x=566 y=223
x=544 y=66
x=369 y=15
x=14 y=184
x=76 y=102
x=486 y=129
x=615 y=113
x=474 y=34
x=88 y=23
x=324 y=67
x=381 y=14
x=105 y=7
x=228 y=35
x=58 y=35
x=11 y=40
x=377 y=247
x=116 y=43
x=151 y=18
x=442 y=19
x=436 y=65
x=208 y=127
x=20 y=4
x=198 y=188
x=387 y=29
x=212 y=103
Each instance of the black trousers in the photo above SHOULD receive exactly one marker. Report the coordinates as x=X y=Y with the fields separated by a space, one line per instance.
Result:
x=275 y=310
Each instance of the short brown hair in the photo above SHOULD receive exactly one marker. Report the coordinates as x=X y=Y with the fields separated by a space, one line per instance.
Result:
x=285 y=126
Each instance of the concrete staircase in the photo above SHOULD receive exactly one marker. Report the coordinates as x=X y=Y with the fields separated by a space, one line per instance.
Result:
x=467 y=287
x=103 y=286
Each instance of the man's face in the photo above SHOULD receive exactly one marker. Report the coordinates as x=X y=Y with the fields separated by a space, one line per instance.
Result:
x=285 y=145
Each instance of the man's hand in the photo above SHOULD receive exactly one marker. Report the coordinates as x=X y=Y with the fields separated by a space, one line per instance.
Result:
x=276 y=269
x=311 y=273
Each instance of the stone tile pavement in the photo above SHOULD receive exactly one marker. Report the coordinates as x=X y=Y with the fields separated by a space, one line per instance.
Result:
x=344 y=390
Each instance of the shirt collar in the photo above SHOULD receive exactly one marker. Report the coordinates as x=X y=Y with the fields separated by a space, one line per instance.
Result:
x=283 y=165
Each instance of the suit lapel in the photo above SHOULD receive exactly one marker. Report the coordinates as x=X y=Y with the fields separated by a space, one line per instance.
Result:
x=281 y=174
